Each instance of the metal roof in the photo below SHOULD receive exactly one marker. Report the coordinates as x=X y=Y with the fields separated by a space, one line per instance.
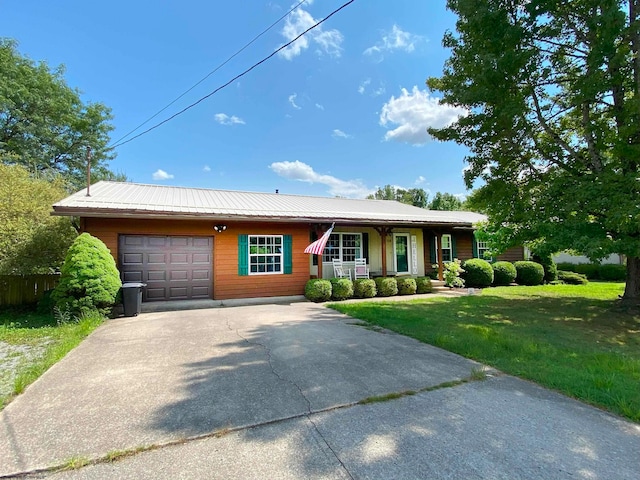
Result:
x=124 y=199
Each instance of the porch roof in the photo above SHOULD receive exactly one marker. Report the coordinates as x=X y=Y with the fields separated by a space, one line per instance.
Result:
x=133 y=200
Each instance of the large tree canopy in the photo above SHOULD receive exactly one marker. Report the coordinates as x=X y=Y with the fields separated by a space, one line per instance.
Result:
x=31 y=239
x=445 y=201
x=44 y=124
x=412 y=196
x=553 y=97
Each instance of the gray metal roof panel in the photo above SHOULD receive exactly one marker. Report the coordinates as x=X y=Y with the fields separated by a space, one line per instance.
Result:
x=132 y=199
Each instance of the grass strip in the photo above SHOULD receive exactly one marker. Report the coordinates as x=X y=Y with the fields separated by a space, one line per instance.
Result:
x=575 y=339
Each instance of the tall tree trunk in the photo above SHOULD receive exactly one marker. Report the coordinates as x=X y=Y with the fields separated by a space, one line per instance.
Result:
x=632 y=287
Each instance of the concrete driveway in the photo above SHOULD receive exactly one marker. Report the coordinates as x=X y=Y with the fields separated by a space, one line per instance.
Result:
x=272 y=391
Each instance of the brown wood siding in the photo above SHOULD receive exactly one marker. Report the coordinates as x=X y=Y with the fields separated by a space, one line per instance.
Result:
x=512 y=254
x=464 y=248
x=227 y=284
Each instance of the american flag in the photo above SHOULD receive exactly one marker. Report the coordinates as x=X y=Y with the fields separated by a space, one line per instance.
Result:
x=317 y=247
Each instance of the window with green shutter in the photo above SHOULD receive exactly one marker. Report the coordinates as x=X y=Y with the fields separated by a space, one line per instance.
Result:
x=264 y=254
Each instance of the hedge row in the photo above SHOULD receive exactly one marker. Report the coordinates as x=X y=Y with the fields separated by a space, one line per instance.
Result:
x=319 y=290
x=595 y=271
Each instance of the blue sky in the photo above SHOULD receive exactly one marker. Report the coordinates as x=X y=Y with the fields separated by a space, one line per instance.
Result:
x=342 y=111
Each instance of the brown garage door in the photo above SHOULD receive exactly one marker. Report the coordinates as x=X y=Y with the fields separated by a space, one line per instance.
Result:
x=173 y=267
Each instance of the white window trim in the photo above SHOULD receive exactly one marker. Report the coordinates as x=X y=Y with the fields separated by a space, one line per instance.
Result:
x=450 y=249
x=341 y=247
x=395 y=254
x=281 y=254
x=480 y=251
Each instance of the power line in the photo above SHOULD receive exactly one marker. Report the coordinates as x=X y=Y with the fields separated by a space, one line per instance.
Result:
x=295 y=7
x=237 y=76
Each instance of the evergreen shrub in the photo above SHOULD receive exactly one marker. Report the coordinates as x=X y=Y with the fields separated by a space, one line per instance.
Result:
x=318 y=290
x=423 y=285
x=341 y=289
x=477 y=273
x=529 y=273
x=364 y=288
x=572 y=278
x=89 y=278
x=504 y=273
x=406 y=286
x=386 y=286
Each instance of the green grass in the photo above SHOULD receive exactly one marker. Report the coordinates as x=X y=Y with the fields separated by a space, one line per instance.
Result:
x=576 y=339
x=26 y=327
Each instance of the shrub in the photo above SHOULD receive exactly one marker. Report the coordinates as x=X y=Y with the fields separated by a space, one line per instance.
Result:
x=423 y=285
x=572 y=278
x=386 y=286
x=549 y=266
x=591 y=270
x=89 y=279
x=407 y=286
x=477 y=273
x=341 y=288
x=504 y=273
x=364 y=288
x=613 y=272
x=318 y=290
x=529 y=273
x=433 y=274
x=452 y=271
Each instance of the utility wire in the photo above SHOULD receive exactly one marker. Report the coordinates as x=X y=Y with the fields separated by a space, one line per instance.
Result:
x=295 y=7
x=236 y=77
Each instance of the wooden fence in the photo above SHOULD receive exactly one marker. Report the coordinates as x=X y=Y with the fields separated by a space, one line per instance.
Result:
x=25 y=289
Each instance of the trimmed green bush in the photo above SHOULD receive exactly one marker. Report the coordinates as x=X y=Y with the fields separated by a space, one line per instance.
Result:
x=477 y=273
x=504 y=273
x=549 y=266
x=591 y=270
x=406 y=286
x=572 y=278
x=423 y=285
x=613 y=272
x=89 y=279
x=364 y=288
x=386 y=286
x=341 y=289
x=529 y=273
x=318 y=290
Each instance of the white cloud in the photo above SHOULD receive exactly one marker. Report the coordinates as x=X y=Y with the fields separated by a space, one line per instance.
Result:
x=327 y=41
x=396 y=39
x=413 y=113
x=161 y=175
x=319 y=107
x=340 y=134
x=304 y=173
x=363 y=86
x=292 y=101
x=224 y=119
x=206 y=168
x=420 y=180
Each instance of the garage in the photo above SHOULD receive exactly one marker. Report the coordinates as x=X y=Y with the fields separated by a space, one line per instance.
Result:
x=173 y=267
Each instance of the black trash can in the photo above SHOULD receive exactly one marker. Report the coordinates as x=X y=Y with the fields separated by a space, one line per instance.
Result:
x=132 y=298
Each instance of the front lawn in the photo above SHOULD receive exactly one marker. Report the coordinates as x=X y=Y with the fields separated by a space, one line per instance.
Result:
x=573 y=338
x=31 y=342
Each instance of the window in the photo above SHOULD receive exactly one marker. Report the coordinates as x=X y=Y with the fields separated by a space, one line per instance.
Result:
x=483 y=250
x=265 y=254
x=447 y=255
x=344 y=246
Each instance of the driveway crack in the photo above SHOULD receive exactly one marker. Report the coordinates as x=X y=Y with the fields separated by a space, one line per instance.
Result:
x=291 y=382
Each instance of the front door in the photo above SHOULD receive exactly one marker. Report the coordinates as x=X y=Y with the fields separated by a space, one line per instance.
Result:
x=401 y=251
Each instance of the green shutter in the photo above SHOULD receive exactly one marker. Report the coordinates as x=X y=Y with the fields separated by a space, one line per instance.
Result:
x=474 y=246
x=243 y=254
x=433 y=255
x=365 y=246
x=288 y=254
x=454 y=252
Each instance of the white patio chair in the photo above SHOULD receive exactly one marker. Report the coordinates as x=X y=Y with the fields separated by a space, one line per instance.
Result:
x=361 y=269
x=339 y=271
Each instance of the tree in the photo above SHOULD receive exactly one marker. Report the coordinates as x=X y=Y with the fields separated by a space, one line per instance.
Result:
x=445 y=201
x=553 y=126
x=31 y=240
x=44 y=124
x=413 y=196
